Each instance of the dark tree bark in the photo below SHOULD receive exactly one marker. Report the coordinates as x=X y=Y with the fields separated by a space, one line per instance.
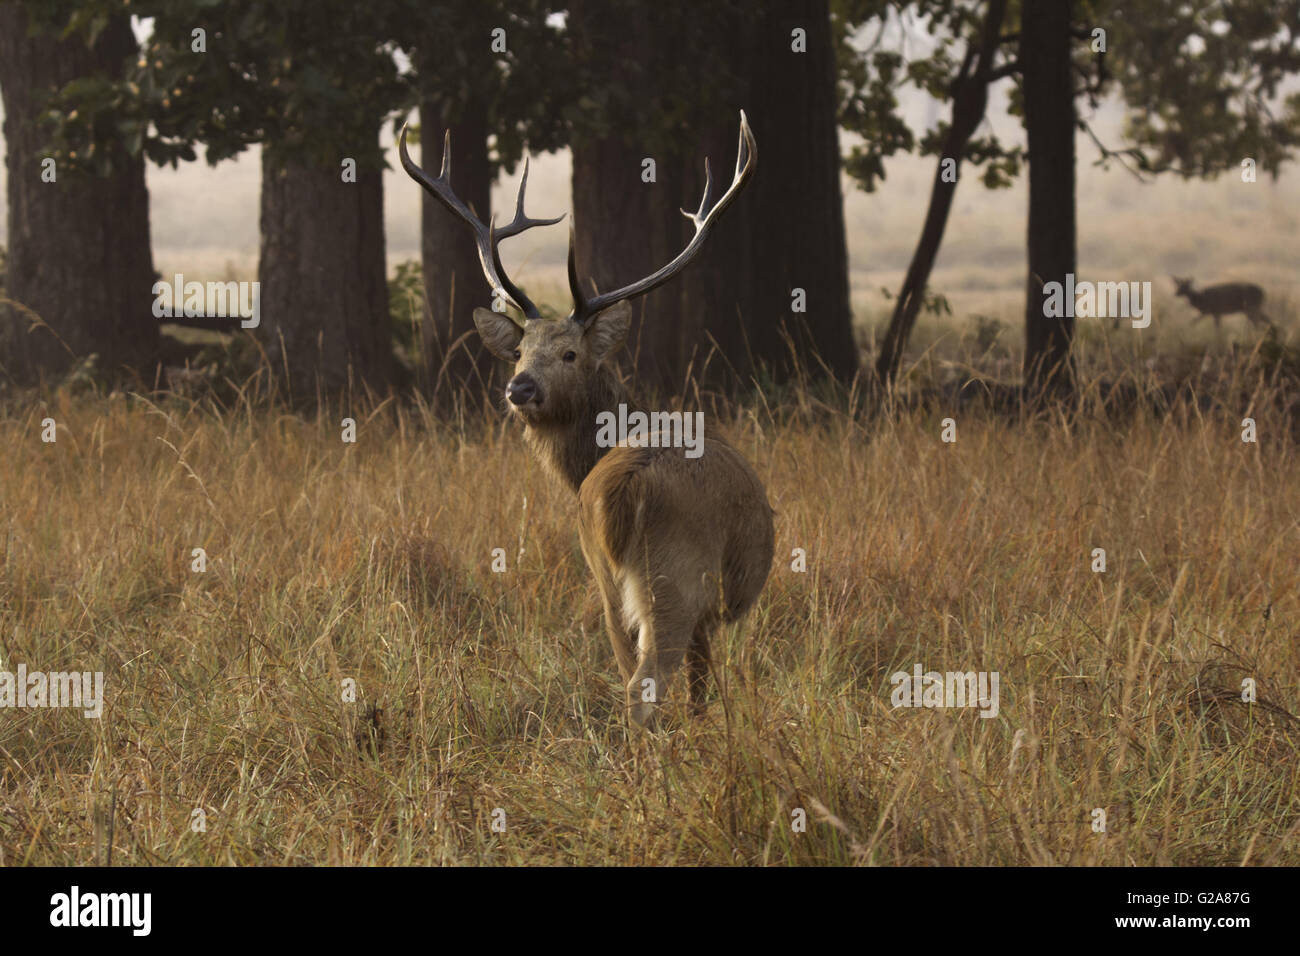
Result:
x=79 y=256
x=627 y=228
x=623 y=227
x=454 y=357
x=715 y=342
x=728 y=316
x=324 y=299
x=786 y=231
x=970 y=97
x=1049 y=126
x=797 y=208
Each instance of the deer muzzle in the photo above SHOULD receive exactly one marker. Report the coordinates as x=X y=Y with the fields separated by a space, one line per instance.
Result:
x=523 y=389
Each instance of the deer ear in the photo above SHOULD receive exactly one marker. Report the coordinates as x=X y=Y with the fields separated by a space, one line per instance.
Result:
x=608 y=330
x=498 y=332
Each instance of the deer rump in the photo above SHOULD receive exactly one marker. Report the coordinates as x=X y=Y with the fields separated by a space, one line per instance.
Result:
x=655 y=524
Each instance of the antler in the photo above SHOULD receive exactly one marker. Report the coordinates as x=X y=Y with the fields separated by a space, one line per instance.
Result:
x=585 y=309
x=486 y=237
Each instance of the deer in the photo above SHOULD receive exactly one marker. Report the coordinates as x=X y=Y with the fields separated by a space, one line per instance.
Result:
x=678 y=546
x=1228 y=298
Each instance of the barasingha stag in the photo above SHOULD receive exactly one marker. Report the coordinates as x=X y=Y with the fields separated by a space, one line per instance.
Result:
x=678 y=544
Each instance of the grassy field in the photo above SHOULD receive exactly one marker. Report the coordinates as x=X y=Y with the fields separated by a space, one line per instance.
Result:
x=480 y=691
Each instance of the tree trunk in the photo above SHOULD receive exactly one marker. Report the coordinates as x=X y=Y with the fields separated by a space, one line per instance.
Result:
x=454 y=357
x=324 y=299
x=970 y=97
x=627 y=228
x=79 y=256
x=796 y=208
x=727 y=316
x=623 y=227
x=1049 y=126
x=716 y=340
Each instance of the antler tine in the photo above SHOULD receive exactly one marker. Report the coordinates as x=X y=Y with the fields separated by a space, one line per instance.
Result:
x=585 y=309
x=445 y=173
x=494 y=238
x=521 y=221
x=485 y=237
x=698 y=216
x=580 y=309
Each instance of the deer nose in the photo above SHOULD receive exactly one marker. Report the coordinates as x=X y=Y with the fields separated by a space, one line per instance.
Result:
x=522 y=389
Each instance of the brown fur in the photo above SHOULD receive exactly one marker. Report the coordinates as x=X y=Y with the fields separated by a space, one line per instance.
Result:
x=1227 y=298
x=677 y=545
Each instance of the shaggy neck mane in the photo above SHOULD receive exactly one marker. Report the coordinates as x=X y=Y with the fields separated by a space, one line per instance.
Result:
x=568 y=449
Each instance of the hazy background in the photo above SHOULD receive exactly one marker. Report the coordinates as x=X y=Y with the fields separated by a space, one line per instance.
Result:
x=205 y=221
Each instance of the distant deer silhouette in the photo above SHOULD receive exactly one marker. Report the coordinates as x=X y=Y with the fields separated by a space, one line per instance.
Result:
x=1226 y=299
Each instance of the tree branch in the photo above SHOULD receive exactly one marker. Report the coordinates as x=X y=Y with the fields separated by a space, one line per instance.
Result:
x=1119 y=155
x=1005 y=70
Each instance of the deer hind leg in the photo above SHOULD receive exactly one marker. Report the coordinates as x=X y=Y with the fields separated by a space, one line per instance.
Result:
x=622 y=635
x=697 y=664
x=622 y=639
x=1257 y=317
x=664 y=626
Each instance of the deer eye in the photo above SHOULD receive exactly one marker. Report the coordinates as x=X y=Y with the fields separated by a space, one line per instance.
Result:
x=517 y=353
x=570 y=356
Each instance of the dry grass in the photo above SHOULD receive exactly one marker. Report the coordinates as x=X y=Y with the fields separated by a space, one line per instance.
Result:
x=482 y=690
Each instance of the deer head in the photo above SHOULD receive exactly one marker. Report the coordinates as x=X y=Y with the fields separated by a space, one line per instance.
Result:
x=556 y=361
